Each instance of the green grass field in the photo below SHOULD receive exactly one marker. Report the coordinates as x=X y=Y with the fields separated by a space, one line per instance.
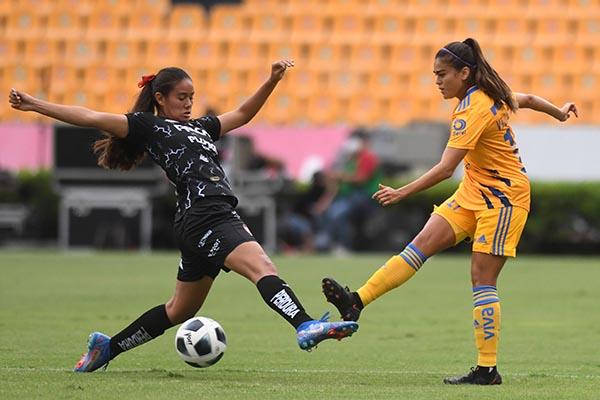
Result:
x=407 y=342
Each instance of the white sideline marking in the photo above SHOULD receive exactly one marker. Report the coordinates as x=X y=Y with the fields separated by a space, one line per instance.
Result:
x=306 y=371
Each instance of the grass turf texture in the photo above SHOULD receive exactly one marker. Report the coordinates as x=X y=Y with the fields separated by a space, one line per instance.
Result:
x=408 y=340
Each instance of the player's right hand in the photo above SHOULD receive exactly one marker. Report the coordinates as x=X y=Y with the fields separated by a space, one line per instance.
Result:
x=566 y=110
x=20 y=100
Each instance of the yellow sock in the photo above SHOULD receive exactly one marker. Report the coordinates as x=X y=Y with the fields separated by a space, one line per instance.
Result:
x=486 y=320
x=394 y=273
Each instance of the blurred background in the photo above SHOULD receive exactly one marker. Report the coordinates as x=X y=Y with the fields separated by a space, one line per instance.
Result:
x=360 y=107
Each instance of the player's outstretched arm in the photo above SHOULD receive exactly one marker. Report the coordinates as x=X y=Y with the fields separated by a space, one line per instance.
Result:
x=443 y=170
x=540 y=104
x=249 y=108
x=113 y=124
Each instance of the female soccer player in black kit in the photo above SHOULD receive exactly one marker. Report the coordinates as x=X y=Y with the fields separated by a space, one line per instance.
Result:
x=209 y=233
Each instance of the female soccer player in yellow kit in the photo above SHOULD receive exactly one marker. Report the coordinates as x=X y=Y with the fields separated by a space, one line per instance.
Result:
x=490 y=205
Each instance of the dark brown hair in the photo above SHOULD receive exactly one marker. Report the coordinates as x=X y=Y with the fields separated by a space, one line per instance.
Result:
x=468 y=54
x=117 y=153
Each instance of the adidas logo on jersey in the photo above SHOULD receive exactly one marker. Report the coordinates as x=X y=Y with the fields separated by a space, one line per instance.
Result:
x=482 y=239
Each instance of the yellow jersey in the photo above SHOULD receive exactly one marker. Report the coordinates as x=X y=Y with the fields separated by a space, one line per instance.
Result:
x=494 y=175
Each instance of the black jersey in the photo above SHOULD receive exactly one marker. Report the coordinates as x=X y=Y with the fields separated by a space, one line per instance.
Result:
x=186 y=152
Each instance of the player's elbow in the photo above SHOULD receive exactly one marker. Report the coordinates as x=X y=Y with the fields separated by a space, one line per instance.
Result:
x=526 y=101
x=446 y=171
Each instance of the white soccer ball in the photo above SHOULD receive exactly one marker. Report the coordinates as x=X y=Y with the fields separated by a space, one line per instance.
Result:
x=200 y=342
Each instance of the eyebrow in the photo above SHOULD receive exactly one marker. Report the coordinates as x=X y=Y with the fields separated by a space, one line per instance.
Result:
x=439 y=71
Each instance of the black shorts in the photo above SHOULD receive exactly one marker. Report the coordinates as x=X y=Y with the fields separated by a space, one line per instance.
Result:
x=205 y=235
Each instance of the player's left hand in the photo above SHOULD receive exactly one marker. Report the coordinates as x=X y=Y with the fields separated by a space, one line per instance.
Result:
x=278 y=69
x=387 y=195
x=566 y=110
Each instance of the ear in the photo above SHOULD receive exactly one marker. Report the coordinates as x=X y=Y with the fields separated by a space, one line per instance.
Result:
x=464 y=73
x=160 y=99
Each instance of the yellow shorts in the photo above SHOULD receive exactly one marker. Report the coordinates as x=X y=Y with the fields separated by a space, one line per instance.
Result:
x=494 y=231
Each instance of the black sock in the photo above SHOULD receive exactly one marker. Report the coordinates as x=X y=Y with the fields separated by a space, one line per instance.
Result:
x=280 y=297
x=148 y=326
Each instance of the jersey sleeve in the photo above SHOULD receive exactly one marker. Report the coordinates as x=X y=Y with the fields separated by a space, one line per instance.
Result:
x=140 y=125
x=467 y=127
x=212 y=125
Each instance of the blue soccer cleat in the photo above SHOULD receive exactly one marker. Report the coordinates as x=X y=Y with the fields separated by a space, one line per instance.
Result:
x=311 y=333
x=98 y=354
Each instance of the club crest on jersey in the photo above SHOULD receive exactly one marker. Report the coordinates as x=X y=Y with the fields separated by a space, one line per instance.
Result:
x=458 y=126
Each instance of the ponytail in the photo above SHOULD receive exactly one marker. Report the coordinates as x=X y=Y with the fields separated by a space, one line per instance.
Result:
x=468 y=54
x=118 y=153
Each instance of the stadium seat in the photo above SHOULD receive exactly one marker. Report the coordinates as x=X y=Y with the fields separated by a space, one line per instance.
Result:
x=40 y=52
x=323 y=108
x=367 y=110
x=80 y=52
x=391 y=29
x=347 y=83
x=267 y=25
x=145 y=25
x=205 y=54
x=187 y=22
x=78 y=8
x=103 y=78
x=349 y=26
x=227 y=22
x=122 y=52
x=64 y=24
x=246 y=55
x=306 y=27
x=366 y=56
x=105 y=24
x=160 y=52
x=11 y=51
x=304 y=82
x=23 y=23
x=24 y=77
x=588 y=29
x=326 y=56
x=158 y=7
x=63 y=78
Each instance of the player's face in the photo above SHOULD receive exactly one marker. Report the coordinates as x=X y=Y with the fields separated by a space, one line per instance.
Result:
x=451 y=82
x=177 y=105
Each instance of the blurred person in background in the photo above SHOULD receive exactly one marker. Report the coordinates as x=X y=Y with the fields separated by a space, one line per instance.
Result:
x=490 y=205
x=210 y=234
x=357 y=182
x=300 y=224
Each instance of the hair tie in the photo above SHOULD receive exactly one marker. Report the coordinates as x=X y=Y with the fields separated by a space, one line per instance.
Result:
x=458 y=58
x=146 y=79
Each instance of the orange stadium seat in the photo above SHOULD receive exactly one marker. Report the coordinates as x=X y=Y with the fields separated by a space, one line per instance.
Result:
x=123 y=52
x=345 y=83
x=117 y=7
x=267 y=24
x=103 y=78
x=246 y=55
x=187 y=22
x=280 y=109
x=24 y=77
x=323 y=108
x=388 y=83
x=326 y=56
x=391 y=29
x=366 y=56
x=349 y=27
x=11 y=51
x=145 y=25
x=588 y=29
x=303 y=82
x=228 y=22
x=79 y=8
x=64 y=24
x=306 y=27
x=63 y=78
x=553 y=29
x=206 y=54
x=24 y=23
x=517 y=28
x=105 y=24
x=162 y=52
x=80 y=52
x=40 y=52
x=159 y=7
x=367 y=110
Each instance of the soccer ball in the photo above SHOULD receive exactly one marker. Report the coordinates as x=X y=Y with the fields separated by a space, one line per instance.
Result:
x=200 y=342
